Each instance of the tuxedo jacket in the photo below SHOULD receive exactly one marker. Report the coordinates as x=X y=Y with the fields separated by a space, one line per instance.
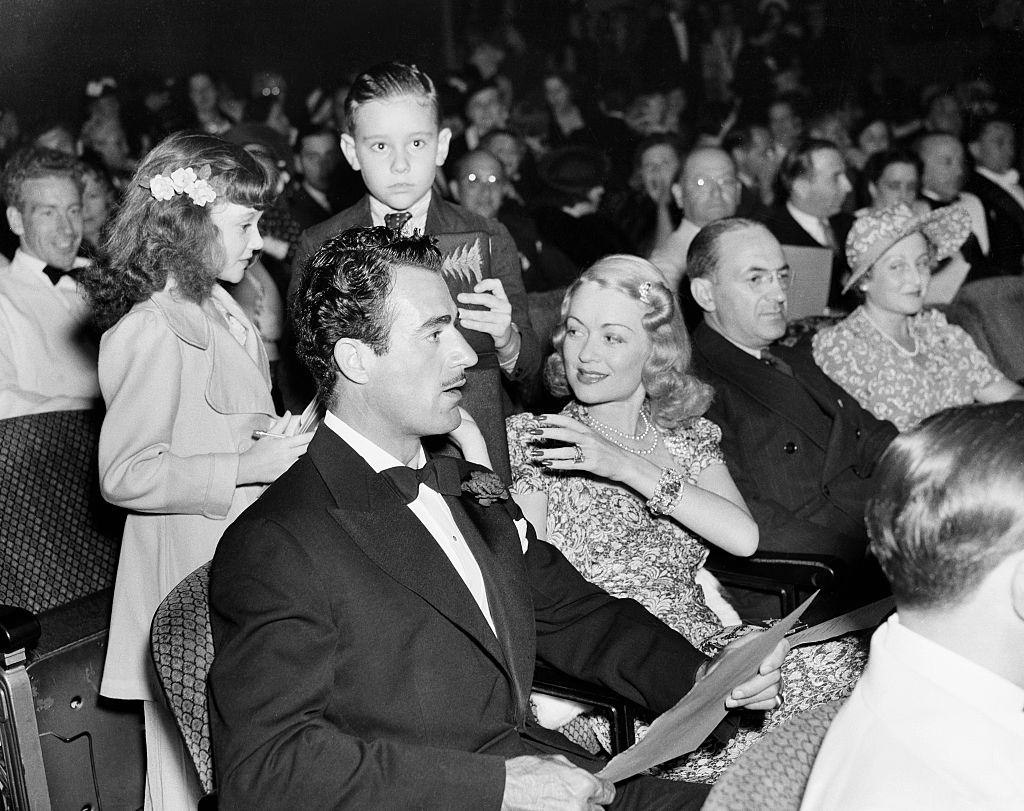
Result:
x=1005 y=218
x=354 y=668
x=788 y=231
x=482 y=394
x=306 y=211
x=801 y=450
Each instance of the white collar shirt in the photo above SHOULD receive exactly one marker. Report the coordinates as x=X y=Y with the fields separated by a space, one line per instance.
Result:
x=811 y=224
x=418 y=212
x=429 y=507
x=1007 y=181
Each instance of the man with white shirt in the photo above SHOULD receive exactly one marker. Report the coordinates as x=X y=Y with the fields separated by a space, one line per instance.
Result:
x=937 y=719
x=376 y=616
x=995 y=182
x=47 y=357
x=801 y=450
x=812 y=177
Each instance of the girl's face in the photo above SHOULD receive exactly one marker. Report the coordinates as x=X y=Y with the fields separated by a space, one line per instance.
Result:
x=240 y=239
x=95 y=208
x=606 y=345
x=899 y=279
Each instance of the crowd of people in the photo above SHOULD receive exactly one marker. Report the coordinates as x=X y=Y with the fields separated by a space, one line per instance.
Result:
x=567 y=281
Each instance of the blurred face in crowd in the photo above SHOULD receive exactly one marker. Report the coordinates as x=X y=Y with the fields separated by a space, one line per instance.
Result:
x=486 y=111
x=784 y=124
x=509 y=151
x=996 y=147
x=318 y=158
x=822 y=191
x=556 y=93
x=396 y=145
x=659 y=167
x=943 y=159
x=109 y=142
x=58 y=138
x=708 y=189
x=899 y=279
x=202 y=93
x=49 y=222
x=898 y=183
x=480 y=184
x=745 y=298
x=96 y=203
x=944 y=115
x=831 y=128
x=874 y=138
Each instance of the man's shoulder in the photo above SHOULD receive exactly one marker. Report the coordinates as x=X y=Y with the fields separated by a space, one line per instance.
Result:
x=452 y=217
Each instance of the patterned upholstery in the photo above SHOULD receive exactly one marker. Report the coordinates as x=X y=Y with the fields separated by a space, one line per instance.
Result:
x=182 y=645
x=772 y=774
x=59 y=540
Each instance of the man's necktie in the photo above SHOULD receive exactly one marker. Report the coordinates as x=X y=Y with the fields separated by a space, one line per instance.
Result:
x=55 y=274
x=440 y=474
x=776 y=362
x=830 y=235
x=396 y=220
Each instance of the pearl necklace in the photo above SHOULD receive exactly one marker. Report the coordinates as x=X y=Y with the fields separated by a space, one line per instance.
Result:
x=610 y=433
x=910 y=353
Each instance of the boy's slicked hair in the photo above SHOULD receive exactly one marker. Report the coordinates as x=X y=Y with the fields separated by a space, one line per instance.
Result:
x=389 y=80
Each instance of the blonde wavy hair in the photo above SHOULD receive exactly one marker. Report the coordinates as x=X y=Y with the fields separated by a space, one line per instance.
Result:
x=675 y=396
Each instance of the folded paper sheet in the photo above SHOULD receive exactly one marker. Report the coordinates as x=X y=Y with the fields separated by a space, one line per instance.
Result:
x=860 y=619
x=687 y=725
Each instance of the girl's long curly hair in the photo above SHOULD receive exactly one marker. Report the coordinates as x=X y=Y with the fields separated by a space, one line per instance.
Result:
x=149 y=239
x=675 y=396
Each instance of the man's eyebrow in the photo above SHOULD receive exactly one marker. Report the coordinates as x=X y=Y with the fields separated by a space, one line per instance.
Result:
x=433 y=323
x=759 y=269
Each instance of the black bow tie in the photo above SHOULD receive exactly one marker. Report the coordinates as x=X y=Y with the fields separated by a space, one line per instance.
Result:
x=441 y=474
x=55 y=274
x=396 y=220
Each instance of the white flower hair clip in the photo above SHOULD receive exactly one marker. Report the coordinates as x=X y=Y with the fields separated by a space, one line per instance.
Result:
x=644 y=292
x=182 y=181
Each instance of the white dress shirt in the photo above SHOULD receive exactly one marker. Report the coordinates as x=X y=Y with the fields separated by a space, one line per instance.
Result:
x=811 y=224
x=429 y=507
x=925 y=728
x=47 y=363
x=418 y=212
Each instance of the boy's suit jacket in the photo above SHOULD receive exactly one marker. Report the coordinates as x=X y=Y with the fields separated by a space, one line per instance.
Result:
x=482 y=395
x=354 y=668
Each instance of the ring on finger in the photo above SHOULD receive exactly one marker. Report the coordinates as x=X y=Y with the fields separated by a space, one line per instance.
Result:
x=579 y=457
x=778 y=701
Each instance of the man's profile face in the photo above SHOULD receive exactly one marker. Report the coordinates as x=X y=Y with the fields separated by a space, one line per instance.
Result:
x=318 y=158
x=822 y=192
x=49 y=222
x=745 y=299
x=481 y=184
x=943 y=159
x=709 y=189
x=396 y=145
x=996 y=148
x=415 y=388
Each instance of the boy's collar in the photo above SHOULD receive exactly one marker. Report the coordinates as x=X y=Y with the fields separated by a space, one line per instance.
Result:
x=418 y=210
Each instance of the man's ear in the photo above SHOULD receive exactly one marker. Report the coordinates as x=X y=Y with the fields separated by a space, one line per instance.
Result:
x=801 y=186
x=1017 y=588
x=444 y=140
x=348 y=149
x=350 y=356
x=453 y=187
x=701 y=290
x=974 y=148
x=15 y=221
x=677 y=195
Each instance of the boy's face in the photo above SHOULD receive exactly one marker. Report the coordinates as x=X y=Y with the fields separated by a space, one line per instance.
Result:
x=396 y=146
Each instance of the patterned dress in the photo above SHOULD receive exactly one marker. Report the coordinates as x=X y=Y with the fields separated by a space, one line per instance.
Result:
x=900 y=386
x=605 y=530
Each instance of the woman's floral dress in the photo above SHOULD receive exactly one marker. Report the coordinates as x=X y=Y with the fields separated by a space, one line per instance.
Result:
x=605 y=530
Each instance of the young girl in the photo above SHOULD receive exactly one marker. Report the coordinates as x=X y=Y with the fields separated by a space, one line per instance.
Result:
x=186 y=384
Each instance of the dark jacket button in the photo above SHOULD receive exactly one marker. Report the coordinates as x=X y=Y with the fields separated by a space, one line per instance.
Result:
x=859 y=433
x=789 y=447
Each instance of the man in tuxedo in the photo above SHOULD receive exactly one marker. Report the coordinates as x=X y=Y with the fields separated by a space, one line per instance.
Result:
x=801 y=450
x=935 y=721
x=48 y=359
x=995 y=182
x=376 y=616
x=812 y=177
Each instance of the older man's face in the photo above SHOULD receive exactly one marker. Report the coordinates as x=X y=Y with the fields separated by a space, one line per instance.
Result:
x=481 y=185
x=745 y=299
x=821 y=194
x=943 y=159
x=708 y=188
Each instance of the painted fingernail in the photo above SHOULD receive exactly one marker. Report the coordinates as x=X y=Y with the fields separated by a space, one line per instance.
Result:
x=545 y=464
x=536 y=432
x=536 y=453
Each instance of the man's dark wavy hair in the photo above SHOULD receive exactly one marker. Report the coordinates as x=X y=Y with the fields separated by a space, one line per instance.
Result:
x=344 y=294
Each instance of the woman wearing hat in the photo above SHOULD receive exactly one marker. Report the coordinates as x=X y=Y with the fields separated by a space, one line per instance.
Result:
x=902 y=362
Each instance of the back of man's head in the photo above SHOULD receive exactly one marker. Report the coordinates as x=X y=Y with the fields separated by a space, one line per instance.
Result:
x=949 y=504
x=387 y=81
x=344 y=294
x=799 y=162
x=35 y=163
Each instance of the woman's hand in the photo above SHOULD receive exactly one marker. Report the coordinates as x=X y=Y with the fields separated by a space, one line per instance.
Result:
x=587 y=450
x=469 y=439
x=270 y=456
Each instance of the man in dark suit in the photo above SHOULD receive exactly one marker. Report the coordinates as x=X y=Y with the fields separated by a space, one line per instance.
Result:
x=377 y=617
x=313 y=197
x=996 y=183
x=813 y=180
x=802 y=451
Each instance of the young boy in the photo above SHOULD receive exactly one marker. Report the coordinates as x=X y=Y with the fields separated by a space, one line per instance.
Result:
x=394 y=139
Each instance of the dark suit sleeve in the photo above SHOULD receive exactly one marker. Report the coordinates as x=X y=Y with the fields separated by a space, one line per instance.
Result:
x=506 y=267
x=271 y=683
x=583 y=631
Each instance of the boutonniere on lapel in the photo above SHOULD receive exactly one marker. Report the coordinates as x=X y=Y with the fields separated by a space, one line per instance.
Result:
x=485 y=487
